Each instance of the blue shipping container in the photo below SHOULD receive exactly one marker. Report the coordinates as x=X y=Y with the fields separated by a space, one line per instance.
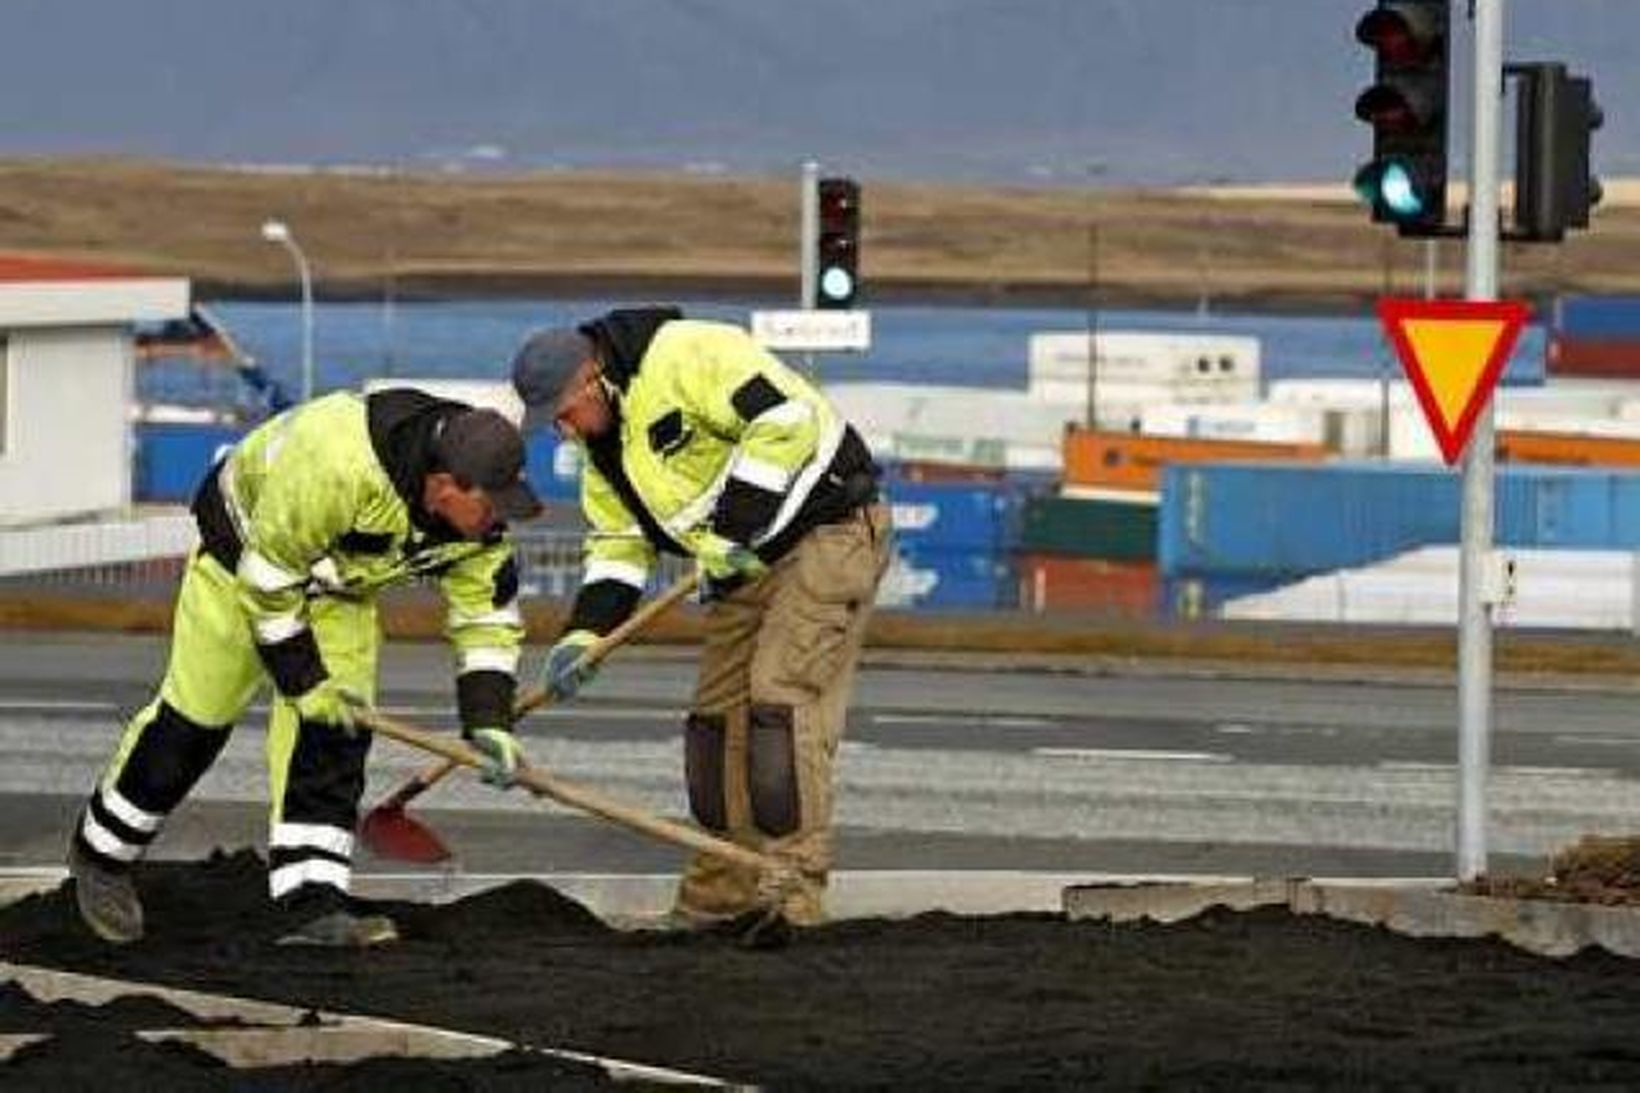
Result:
x=1598 y=318
x=171 y=457
x=954 y=516
x=923 y=577
x=552 y=466
x=1283 y=520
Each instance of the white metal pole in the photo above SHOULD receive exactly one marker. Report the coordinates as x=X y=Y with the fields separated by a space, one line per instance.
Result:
x=809 y=236
x=1475 y=594
x=307 y=320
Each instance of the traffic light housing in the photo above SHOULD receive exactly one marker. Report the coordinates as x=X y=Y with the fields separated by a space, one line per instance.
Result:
x=1555 y=118
x=837 y=261
x=1405 y=182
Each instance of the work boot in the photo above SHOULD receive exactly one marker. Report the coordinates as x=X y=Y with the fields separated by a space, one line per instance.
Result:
x=342 y=929
x=107 y=898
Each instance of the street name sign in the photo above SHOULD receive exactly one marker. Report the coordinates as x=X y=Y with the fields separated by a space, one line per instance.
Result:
x=817 y=331
x=1453 y=352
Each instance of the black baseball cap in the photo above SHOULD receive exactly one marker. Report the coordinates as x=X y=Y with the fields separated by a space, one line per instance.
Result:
x=483 y=448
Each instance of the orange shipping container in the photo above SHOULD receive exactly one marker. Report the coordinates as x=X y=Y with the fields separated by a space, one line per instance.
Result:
x=1130 y=461
x=1569 y=449
x=1053 y=582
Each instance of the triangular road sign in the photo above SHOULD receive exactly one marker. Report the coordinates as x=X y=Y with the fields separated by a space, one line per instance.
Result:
x=1453 y=351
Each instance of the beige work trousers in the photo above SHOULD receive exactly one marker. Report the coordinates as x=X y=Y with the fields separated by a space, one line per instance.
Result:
x=769 y=708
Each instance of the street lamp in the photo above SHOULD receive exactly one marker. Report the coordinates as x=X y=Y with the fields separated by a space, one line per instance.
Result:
x=277 y=231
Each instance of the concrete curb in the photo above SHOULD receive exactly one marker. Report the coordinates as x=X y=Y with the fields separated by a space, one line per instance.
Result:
x=1413 y=907
x=280 y=1035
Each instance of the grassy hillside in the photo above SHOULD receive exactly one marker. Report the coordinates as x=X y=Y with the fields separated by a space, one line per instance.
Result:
x=689 y=235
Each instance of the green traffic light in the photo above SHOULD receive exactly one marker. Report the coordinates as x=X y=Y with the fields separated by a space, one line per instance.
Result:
x=1393 y=186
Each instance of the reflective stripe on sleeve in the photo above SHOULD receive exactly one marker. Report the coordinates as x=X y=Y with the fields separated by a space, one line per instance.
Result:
x=509 y=615
x=600 y=569
x=279 y=628
x=489 y=660
x=757 y=472
x=806 y=481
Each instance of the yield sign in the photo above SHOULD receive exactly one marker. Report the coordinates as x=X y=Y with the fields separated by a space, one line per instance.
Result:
x=1453 y=352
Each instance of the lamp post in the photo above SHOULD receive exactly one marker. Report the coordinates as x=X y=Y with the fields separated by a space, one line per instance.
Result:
x=277 y=231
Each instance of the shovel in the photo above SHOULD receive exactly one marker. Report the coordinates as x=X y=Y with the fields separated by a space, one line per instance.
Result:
x=390 y=832
x=775 y=877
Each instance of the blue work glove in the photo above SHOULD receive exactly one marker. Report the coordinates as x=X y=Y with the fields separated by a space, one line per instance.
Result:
x=725 y=566
x=502 y=754
x=562 y=676
x=329 y=703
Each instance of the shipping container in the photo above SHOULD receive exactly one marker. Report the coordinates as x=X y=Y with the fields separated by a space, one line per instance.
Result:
x=1285 y=521
x=1120 y=461
x=1089 y=528
x=1597 y=318
x=927 y=578
x=1203 y=596
x=552 y=466
x=171 y=458
x=1567 y=449
x=912 y=470
x=973 y=426
x=1610 y=357
x=1052 y=582
x=1134 y=356
x=954 y=516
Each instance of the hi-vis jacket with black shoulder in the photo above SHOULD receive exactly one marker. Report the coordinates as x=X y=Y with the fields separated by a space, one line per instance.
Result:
x=714 y=437
x=325 y=499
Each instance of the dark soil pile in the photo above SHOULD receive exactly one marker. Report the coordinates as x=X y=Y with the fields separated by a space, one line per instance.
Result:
x=1602 y=869
x=1262 y=999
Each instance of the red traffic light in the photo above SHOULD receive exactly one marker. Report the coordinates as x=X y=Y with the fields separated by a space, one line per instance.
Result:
x=1403 y=35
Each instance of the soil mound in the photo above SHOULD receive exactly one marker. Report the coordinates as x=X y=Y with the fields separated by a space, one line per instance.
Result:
x=1260 y=999
x=1602 y=869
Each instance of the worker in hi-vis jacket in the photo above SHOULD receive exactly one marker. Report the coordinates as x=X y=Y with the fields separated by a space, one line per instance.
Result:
x=698 y=442
x=301 y=525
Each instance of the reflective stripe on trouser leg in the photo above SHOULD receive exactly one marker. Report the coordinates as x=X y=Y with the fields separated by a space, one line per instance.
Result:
x=704 y=741
x=317 y=770
x=160 y=758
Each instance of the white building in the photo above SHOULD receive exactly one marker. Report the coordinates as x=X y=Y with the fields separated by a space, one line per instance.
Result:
x=67 y=372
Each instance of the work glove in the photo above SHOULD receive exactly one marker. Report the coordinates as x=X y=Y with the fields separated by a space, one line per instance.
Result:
x=330 y=703
x=562 y=676
x=725 y=566
x=502 y=755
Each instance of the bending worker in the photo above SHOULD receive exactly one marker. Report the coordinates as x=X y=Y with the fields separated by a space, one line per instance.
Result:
x=301 y=525
x=699 y=442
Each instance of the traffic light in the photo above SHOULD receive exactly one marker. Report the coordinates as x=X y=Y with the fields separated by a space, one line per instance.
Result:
x=1405 y=183
x=837 y=266
x=1555 y=115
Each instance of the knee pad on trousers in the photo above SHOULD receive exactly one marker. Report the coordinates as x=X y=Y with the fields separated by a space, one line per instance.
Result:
x=772 y=769
x=703 y=746
x=170 y=756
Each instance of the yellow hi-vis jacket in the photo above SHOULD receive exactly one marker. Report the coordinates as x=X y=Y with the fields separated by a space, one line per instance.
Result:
x=324 y=499
x=716 y=442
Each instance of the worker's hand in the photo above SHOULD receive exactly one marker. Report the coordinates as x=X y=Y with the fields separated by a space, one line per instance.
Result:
x=330 y=703
x=725 y=566
x=562 y=676
x=502 y=755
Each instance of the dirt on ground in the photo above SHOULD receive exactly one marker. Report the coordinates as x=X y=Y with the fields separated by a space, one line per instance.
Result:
x=1264 y=998
x=1603 y=869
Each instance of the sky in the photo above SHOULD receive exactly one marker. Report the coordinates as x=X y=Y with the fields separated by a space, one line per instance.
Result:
x=1060 y=92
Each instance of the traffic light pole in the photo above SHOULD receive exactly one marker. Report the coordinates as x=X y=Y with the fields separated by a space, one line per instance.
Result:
x=1477 y=584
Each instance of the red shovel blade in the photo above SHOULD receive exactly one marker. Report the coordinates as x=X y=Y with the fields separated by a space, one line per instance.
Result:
x=394 y=833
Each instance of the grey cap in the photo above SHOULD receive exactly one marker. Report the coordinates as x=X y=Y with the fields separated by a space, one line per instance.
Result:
x=543 y=368
x=482 y=448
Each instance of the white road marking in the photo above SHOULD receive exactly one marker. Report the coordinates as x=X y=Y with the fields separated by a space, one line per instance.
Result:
x=1527 y=772
x=1134 y=753
x=1599 y=741
x=1236 y=729
x=65 y=705
x=953 y=720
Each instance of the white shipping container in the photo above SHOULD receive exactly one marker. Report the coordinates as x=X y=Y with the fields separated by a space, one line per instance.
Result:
x=1248 y=421
x=1076 y=393
x=1142 y=356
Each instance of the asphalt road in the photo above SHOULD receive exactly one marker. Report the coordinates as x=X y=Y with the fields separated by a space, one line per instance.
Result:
x=1147 y=769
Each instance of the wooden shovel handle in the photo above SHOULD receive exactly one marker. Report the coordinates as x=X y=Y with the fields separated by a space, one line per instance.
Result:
x=544 y=784
x=536 y=697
